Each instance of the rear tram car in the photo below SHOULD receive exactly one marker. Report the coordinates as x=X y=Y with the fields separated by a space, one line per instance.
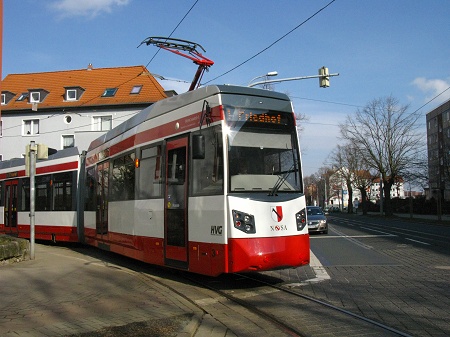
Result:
x=56 y=197
x=208 y=181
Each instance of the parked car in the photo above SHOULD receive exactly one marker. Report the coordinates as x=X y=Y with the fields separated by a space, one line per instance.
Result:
x=317 y=221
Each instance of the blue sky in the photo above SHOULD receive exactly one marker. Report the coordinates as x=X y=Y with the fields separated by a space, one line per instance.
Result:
x=380 y=48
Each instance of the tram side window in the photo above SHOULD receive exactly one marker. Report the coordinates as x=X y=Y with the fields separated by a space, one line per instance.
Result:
x=150 y=180
x=42 y=193
x=90 y=190
x=207 y=174
x=123 y=178
x=63 y=192
x=24 y=195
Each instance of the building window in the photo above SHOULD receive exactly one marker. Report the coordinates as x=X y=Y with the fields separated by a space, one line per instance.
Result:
x=102 y=123
x=68 y=141
x=35 y=97
x=109 y=92
x=31 y=127
x=136 y=89
x=22 y=97
x=3 y=99
x=71 y=95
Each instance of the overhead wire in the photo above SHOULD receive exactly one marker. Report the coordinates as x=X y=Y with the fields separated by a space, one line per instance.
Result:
x=84 y=103
x=272 y=44
x=173 y=31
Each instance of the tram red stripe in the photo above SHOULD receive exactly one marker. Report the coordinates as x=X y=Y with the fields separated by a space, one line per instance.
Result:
x=162 y=131
x=57 y=168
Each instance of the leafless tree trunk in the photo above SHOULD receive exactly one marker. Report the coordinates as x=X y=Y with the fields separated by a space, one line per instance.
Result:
x=354 y=171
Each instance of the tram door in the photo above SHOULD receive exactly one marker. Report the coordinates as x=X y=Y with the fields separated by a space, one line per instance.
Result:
x=11 y=188
x=102 y=198
x=175 y=224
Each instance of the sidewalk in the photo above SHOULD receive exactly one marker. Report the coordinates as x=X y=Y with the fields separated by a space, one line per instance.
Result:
x=66 y=293
x=445 y=218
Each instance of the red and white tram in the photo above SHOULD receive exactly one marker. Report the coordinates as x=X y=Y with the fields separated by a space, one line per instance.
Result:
x=56 y=197
x=208 y=181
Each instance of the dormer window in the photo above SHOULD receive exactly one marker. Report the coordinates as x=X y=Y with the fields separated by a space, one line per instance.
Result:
x=136 y=89
x=109 y=92
x=71 y=95
x=35 y=97
x=7 y=96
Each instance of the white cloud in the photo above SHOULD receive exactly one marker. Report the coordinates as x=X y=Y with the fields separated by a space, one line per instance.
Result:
x=433 y=87
x=87 y=8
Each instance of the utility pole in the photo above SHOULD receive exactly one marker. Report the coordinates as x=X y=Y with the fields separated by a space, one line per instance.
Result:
x=32 y=171
x=381 y=194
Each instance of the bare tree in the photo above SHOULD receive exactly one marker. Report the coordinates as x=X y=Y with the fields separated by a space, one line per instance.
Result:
x=300 y=118
x=387 y=137
x=352 y=169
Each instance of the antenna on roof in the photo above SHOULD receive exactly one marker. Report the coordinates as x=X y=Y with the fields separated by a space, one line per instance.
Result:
x=186 y=49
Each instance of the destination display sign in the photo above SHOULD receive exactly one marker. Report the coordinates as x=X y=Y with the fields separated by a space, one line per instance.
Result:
x=236 y=114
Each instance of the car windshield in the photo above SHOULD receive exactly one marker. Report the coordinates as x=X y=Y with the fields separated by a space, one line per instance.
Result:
x=315 y=211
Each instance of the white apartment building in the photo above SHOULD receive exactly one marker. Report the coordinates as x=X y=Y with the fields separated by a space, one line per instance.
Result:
x=70 y=108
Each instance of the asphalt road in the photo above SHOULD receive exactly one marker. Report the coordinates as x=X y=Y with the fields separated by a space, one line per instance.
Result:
x=392 y=270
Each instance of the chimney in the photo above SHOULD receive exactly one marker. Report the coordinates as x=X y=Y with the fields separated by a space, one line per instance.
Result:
x=90 y=66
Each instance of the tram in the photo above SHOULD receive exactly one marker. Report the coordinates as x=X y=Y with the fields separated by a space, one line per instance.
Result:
x=209 y=181
x=56 y=197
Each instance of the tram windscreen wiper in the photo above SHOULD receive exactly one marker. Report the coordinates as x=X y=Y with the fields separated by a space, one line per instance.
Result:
x=280 y=181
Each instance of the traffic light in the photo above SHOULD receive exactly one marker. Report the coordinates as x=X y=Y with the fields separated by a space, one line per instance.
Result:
x=43 y=151
x=324 y=79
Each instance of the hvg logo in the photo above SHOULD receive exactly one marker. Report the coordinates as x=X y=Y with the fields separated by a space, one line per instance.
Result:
x=277 y=213
x=216 y=230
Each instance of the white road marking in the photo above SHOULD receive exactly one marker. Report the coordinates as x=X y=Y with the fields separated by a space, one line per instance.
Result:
x=423 y=243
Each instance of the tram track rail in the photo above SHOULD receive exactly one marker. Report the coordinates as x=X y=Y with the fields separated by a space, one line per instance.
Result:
x=280 y=306
x=333 y=307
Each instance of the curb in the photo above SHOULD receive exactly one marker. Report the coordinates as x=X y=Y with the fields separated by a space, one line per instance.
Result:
x=13 y=249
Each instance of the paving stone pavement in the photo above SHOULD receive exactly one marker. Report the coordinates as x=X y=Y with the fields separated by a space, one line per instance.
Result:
x=63 y=293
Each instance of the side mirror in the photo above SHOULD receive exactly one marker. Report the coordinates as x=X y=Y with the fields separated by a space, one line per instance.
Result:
x=198 y=147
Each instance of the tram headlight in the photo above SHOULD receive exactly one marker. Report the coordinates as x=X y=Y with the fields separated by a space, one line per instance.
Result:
x=300 y=219
x=244 y=222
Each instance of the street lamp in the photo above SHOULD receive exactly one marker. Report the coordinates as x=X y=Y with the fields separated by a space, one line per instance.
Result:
x=269 y=74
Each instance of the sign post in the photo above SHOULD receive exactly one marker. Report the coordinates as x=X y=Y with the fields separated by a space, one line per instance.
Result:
x=33 y=152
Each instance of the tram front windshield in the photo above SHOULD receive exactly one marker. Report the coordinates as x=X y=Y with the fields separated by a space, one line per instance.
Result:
x=263 y=154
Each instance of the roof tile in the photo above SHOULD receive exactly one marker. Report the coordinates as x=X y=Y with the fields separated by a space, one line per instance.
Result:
x=93 y=81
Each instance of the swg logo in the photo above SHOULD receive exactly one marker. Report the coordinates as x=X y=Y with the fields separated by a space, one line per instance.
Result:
x=216 y=230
